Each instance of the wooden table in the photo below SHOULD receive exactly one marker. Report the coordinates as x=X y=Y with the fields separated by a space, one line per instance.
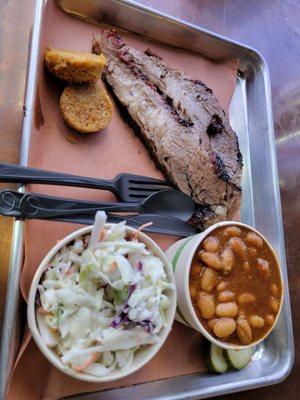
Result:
x=272 y=27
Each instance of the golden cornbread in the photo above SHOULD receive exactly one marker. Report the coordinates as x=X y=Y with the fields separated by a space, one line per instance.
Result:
x=73 y=66
x=86 y=108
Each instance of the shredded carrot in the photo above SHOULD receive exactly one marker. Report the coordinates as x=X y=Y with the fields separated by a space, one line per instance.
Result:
x=140 y=229
x=94 y=357
x=113 y=266
x=71 y=270
x=102 y=234
x=42 y=311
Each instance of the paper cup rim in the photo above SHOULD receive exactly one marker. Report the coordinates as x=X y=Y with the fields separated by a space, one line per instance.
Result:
x=51 y=356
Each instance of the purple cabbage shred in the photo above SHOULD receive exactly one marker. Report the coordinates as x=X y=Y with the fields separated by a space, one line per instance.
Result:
x=121 y=317
x=147 y=325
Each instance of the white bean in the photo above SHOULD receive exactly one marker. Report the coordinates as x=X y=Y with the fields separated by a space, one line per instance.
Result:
x=229 y=309
x=253 y=239
x=224 y=327
x=253 y=252
x=256 y=321
x=211 y=259
x=221 y=286
x=231 y=231
x=264 y=267
x=270 y=319
x=211 y=243
x=225 y=296
x=238 y=246
x=211 y=323
x=206 y=304
x=243 y=330
x=209 y=280
x=274 y=289
x=246 y=298
x=246 y=267
x=274 y=305
x=227 y=260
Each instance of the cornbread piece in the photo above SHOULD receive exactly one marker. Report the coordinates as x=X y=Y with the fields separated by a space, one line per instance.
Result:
x=86 y=108
x=73 y=66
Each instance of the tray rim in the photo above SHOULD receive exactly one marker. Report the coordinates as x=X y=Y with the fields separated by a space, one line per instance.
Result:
x=11 y=305
x=12 y=300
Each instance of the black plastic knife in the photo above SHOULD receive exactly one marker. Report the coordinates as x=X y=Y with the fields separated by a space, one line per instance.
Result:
x=161 y=224
x=10 y=206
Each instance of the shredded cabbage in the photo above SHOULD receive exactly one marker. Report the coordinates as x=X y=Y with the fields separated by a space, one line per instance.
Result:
x=102 y=300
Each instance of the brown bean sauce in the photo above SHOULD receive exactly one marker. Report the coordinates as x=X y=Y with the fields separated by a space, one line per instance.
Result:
x=248 y=272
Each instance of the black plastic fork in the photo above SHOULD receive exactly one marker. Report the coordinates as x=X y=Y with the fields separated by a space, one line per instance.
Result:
x=126 y=187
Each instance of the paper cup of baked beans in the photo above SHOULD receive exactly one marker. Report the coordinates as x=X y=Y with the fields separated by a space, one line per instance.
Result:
x=229 y=284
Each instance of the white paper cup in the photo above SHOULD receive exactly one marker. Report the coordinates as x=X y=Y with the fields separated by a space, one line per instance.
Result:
x=181 y=254
x=143 y=356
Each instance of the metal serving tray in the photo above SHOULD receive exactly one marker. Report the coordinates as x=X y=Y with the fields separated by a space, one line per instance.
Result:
x=251 y=118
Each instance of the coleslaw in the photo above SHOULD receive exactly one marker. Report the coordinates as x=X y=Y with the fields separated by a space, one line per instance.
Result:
x=101 y=299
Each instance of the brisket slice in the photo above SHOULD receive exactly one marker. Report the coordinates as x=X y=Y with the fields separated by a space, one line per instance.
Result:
x=183 y=125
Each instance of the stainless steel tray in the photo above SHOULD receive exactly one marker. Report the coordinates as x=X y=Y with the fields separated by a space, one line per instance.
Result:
x=251 y=117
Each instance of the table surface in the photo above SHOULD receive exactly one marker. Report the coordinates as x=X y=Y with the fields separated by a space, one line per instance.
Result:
x=273 y=28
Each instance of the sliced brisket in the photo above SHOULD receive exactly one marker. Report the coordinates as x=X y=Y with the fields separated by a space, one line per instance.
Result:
x=182 y=123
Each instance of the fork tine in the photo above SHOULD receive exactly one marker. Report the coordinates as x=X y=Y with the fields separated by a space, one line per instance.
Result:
x=146 y=188
x=148 y=181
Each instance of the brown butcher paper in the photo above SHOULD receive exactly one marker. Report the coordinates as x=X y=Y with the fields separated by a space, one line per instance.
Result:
x=105 y=154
